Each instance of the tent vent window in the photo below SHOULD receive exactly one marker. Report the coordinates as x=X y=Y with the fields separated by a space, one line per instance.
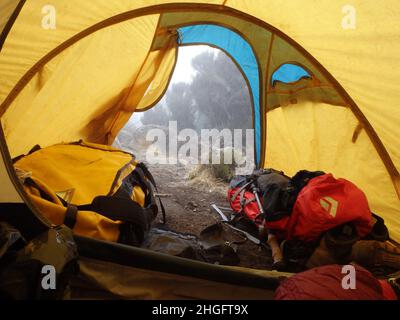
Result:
x=289 y=73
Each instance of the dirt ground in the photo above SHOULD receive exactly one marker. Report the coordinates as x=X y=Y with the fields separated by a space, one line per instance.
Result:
x=188 y=206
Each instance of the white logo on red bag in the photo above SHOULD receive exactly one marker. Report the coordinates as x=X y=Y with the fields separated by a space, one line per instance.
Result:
x=349 y=280
x=330 y=205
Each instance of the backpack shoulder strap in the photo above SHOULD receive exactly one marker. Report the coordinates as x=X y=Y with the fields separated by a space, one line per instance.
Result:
x=142 y=168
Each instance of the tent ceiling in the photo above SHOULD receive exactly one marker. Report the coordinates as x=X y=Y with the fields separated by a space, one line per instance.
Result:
x=7 y=7
x=363 y=60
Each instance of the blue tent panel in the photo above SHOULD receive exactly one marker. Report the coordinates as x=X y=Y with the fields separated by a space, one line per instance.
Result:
x=240 y=50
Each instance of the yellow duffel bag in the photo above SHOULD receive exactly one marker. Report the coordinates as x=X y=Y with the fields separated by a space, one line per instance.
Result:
x=96 y=190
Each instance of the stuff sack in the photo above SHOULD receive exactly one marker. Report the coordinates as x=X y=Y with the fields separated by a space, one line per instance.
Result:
x=325 y=203
x=96 y=190
x=326 y=283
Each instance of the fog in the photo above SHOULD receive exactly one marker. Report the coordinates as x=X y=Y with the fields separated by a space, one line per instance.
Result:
x=207 y=91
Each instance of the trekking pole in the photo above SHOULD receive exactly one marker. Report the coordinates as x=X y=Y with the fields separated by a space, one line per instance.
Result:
x=262 y=230
x=227 y=222
x=277 y=257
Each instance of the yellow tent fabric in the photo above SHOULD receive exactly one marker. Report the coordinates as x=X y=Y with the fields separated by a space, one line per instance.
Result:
x=134 y=283
x=85 y=90
x=84 y=78
x=8 y=192
x=7 y=7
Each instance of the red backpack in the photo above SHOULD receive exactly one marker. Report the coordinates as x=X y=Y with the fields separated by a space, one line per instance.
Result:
x=321 y=205
x=325 y=203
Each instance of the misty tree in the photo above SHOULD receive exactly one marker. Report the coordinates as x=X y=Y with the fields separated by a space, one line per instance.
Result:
x=157 y=115
x=220 y=93
x=181 y=105
x=217 y=97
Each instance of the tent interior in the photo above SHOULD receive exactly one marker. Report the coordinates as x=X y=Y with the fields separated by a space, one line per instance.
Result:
x=324 y=98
